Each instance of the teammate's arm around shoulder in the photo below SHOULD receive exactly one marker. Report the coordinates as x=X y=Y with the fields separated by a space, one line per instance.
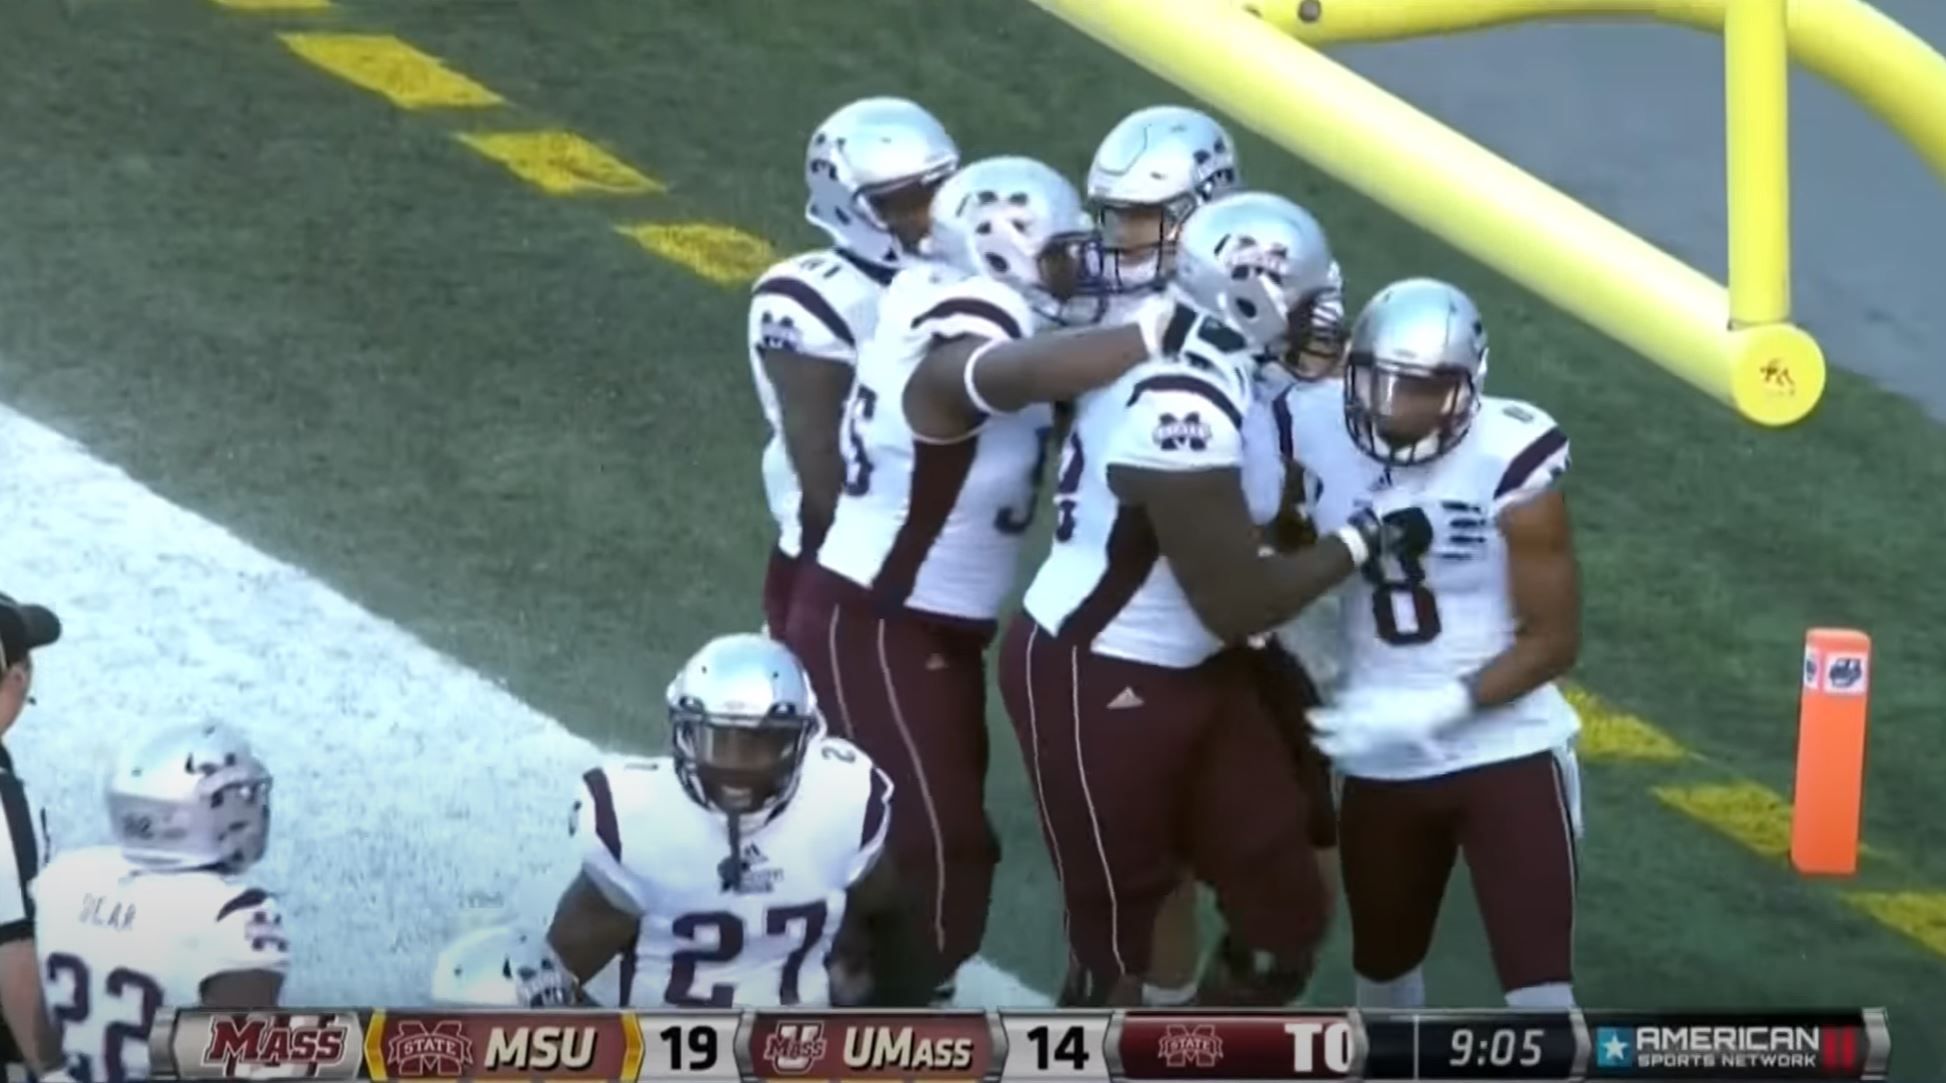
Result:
x=1542 y=572
x=807 y=349
x=252 y=953
x=964 y=379
x=1177 y=455
x=601 y=910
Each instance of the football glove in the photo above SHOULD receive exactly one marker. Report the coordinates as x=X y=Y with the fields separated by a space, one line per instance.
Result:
x=1397 y=525
x=1364 y=722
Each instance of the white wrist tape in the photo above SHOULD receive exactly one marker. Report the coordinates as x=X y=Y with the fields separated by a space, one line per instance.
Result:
x=972 y=387
x=1354 y=540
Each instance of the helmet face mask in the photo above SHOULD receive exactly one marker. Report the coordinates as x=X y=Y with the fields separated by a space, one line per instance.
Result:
x=903 y=207
x=741 y=765
x=1017 y=221
x=1155 y=167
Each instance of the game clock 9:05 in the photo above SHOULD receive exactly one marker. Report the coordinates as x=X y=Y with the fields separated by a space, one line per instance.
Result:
x=1539 y=1046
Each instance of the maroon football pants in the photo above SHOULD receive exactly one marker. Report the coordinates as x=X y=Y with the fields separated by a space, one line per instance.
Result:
x=911 y=692
x=1144 y=774
x=1400 y=839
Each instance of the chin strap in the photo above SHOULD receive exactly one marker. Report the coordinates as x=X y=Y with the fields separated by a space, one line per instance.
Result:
x=731 y=869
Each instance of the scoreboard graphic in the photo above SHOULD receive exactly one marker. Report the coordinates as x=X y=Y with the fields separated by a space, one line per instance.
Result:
x=1019 y=1047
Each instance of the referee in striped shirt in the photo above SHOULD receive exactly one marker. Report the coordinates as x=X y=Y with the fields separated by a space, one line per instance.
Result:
x=27 y=1037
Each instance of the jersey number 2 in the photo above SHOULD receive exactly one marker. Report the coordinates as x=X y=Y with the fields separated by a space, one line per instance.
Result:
x=131 y=987
x=1411 y=582
x=724 y=931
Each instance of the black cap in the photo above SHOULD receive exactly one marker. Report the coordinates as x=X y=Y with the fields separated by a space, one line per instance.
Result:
x=23 y=628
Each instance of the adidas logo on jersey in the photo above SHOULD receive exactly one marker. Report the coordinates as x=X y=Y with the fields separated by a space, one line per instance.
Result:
x=1127 y=700
x=1188 y=431
x=745 y=876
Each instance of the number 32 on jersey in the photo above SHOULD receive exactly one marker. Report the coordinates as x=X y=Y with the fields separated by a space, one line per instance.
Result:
x=1069 y=1047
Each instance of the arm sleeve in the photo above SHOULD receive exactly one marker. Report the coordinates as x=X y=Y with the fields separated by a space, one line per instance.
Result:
x=789 y=314
x=20 y=863
x=873 y=827
x=249 y=934
x=1538 y=463
x=980 y=307
x=1178 y=422
x=596 y=829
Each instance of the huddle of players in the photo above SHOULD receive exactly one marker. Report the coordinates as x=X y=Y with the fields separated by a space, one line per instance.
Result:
x=1230 y=454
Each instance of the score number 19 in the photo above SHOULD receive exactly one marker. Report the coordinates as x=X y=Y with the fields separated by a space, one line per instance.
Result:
x=1066 y=1047
x=693 y=1046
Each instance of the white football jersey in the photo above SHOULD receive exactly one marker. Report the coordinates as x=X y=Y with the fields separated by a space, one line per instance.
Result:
x=819 y=304
x=658 y=851
x=1105 y=582
x=936 y=527
x=1427 y=622
x=122 y=945
x=1313 y=635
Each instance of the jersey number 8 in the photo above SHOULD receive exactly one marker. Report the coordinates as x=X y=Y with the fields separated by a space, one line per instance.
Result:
x=1411 y=582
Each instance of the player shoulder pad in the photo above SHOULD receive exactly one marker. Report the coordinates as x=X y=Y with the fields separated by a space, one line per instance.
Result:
x=972 y=305
x=612 y=797
x=852 y=782
x=816 y=304
x=249 y=932
x=1178 y=417
x=1526 y=451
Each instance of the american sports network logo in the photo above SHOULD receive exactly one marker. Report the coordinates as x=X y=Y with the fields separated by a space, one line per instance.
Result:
x=1727 y=1048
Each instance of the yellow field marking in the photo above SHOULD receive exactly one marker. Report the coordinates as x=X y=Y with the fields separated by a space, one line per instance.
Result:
x=723 y=254
x=383 y=64
x=561 y=163
x=1920 y=915
x=1751 y=814
x=275 y=5
x=1609 y=733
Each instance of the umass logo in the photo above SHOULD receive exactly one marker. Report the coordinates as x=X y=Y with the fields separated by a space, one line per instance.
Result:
x=1187 y=431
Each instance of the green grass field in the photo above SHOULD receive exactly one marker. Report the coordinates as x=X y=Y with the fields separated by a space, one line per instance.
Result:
x=322 y=321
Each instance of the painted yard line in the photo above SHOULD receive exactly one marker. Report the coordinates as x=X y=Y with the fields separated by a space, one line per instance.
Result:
x=257 y=6
x=1611 y=734
x=1920 y=915
x=562 y=163
x=723 y=254
x=386 y=65
x=171 y=618
x=1749 y=812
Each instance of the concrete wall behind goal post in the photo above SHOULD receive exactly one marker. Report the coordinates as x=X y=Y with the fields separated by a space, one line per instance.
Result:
x=1737 y=346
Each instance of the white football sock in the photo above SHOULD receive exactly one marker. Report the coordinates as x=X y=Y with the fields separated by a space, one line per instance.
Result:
x=1162 y=996
x=1555 y=994
x=1408 y=990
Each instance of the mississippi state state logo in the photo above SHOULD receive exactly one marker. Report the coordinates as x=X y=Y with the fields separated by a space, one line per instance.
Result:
x=794 y=1047
x=1182 y=1045
x=1172 y=432
x=441 y=1051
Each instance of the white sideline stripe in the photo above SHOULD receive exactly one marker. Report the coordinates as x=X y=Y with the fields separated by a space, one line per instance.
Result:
x=407 y=784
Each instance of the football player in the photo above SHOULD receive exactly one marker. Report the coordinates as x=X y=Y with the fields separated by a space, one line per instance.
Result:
x=871 y=168
x=723 y=873
x=1152 y=169
x=163 y=919
x=1149 y=756
x=946 y=439
x=1450 y=732
x=501 y=966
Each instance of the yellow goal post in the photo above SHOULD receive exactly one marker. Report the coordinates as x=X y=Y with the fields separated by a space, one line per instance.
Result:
x=1254 y=60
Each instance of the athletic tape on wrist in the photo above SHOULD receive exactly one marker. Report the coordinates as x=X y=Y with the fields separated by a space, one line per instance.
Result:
x=1354 y=540
x=966 y=377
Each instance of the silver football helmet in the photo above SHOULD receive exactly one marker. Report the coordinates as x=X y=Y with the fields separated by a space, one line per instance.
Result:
x=741 y=714
x=191 y=797
x=1019 y=221
x=868 y=153
x=502 y=966
x=1260 y=264
x=1415 y=370
x=1151 y=170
